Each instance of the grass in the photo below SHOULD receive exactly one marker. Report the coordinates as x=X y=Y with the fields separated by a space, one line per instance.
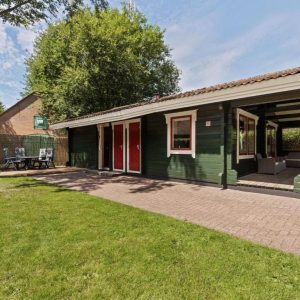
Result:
x=59 y=244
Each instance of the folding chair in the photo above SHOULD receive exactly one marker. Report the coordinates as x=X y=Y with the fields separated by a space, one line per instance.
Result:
x=20 y=152
x=20 y=157
x=50 y=157
x=42 y=158
x=46 y=158
x=8 y=160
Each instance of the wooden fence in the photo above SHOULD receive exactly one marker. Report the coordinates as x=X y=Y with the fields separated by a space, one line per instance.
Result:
x=32 y=145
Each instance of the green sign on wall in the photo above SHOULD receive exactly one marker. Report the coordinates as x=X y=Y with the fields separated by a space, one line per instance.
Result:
x=40 y=122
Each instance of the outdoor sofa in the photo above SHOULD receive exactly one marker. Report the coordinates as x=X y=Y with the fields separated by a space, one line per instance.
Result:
x=293 y=160
x=269 y=165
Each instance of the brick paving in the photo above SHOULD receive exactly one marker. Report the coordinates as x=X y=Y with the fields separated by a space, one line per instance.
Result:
x=270 y=220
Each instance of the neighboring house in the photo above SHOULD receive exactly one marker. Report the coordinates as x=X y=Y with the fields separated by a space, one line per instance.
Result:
x=211 y=134
x=24 y=118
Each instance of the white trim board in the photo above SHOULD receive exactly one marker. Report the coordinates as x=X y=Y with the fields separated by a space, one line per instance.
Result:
x=193 y=114
x=282 y=84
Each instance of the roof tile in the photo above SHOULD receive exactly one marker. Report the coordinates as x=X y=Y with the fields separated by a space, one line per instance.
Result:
x=217 y=87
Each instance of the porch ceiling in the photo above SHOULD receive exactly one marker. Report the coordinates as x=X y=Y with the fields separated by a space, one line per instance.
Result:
x=281 y=109
x=283 y=112
x=281 y=181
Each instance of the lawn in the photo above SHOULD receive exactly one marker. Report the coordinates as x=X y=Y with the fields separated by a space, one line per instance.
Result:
x=59 y=244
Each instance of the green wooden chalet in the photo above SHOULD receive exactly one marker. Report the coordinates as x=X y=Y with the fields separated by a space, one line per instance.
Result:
x=211 y=135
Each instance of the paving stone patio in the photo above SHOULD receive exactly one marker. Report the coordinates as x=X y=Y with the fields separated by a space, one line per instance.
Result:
x=284 y=180
x=270 y=220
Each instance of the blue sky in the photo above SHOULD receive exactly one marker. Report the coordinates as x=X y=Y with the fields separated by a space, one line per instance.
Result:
x=213 y=41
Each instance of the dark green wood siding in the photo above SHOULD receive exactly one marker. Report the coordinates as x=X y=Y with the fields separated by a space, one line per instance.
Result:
x=84 y=147
x=209 y=161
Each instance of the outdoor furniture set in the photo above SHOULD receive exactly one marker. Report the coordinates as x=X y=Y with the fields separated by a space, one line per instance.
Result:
x=272 y=165
x=21 y=161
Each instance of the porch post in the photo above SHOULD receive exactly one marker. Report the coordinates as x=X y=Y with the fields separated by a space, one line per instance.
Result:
x=100 y=135
x=279 y=143
x=261 y=132
x=68 y=164
x=229 y=174
x=225 y=143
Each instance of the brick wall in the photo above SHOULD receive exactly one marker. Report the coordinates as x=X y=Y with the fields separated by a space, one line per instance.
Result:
x=18 y=120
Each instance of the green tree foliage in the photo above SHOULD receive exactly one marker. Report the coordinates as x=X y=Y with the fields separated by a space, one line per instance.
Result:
x=291 y=139
x=2 y=107
x=28 y=12
x=99 y=60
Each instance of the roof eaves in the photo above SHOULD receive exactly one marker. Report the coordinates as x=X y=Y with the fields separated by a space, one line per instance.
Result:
x=206 y=90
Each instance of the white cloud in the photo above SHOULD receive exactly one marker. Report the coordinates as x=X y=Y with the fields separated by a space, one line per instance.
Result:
x=25 y=38
x=14 y=41
x=6 y=45
x=206 y=58
x=6 y=65
x=9 y=55
x=10 y=83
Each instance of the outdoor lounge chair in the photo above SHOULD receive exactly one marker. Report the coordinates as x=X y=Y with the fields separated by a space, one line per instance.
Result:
x=269 y=165
x=20 y=153
x=42 y=158
x=11 y=160
x=293 y=160
x=46 y=158
x=8 y=160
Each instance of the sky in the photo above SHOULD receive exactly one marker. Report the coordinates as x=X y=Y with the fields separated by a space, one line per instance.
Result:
x=212 y=41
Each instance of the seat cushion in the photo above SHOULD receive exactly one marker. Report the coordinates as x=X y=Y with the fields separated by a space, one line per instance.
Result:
x=293 y=163
x=294 y=155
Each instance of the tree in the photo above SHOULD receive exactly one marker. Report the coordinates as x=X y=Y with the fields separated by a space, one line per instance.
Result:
x=96 y=61
x=28 y=12
x=2 y=107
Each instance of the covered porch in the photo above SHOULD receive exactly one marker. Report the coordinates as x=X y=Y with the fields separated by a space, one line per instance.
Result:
x=266 y=145
x=281 y=181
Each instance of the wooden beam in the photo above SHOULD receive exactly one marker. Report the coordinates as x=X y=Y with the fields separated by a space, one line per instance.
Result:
x=287 y=116
x=271 y=111
x=290 y=124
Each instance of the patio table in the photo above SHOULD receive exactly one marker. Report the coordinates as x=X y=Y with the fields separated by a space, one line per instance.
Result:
x=28 y=161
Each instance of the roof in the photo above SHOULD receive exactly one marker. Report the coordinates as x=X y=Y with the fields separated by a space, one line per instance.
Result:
x=19 y=102
x=205 y=90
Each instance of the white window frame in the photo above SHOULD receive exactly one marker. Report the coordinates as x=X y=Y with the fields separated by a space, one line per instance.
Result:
x=246 y=114
x=127 y=122
x=274 y=125
x=193 y=114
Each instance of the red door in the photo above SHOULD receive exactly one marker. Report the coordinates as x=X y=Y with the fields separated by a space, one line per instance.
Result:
x=134 y=147
x=118 y=147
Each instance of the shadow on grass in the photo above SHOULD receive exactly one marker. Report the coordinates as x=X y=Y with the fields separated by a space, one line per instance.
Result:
x=38 y=183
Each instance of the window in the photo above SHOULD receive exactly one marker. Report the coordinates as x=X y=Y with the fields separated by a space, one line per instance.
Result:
x=181 y=132
x=246 y=133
